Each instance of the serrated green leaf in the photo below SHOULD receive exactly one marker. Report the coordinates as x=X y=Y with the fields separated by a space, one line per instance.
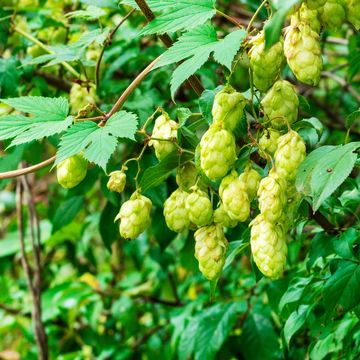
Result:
x=91 y=13
x=155 y=175
x=95 y=36
x=295 y=321
x=342 y=288
x=109 y=230
x=9 y=77
x=66 y=212
x=49 y=109
x=352 y=118
x=236 y=247
x=312 y=122
x=180 y=15
x=331 y=171
x=343 y=243
x=99 y=143
x=188 y=338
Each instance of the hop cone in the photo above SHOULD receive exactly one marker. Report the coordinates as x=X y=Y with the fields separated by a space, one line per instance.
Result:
x=210 y=250
x=236 y=201
x=290 y=153
x=268 y=142
x=332 y=14
x=272 y=197
x=134 y=216
x=186 y=175
x=117 y=181
x=199 y=207
x=71 y=171
x=307 y=16
x=218 y=152
x=80 y=97
x=222 y=218
x=303 y=53
x=266 y=65
x=315 y=4
x=226 y=181
x=251 y=178
x=164 y=128
x=352 y=8
x=268 y=246
x=280 y=105
x=228 y=108
x=176 y=215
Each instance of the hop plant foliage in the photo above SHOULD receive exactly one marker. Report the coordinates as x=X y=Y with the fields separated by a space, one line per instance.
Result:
x=268 y=246
x=210 y=250
x=266 y=65
x=217 y=152
x=228 y=108
x=71 y=171
x=175 y=212
x=135 y=216
x=280 y=104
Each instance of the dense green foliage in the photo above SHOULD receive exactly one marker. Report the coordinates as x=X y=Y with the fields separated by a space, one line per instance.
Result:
x=63 y=66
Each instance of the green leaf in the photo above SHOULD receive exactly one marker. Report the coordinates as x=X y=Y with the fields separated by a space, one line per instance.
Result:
x=49 y=109
x=196 y=46
x=67 y=211
x=295 y=321
x=331 y=171
x=9 y=77
x=274 y=26
x=342 y=288
x=352 y=118
x=95 y=36
x=236 y=247
x=312 y=122
x=180 y=15
x=91 y=13
x=206 y=101
x=109 y=230
x=99 y=143
x=188 y=338
x=258 y=339
x=155 y=175
x=343 y=243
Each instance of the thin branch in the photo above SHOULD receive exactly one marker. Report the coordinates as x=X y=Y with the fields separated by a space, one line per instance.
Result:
x=108 y=42
x=55 y=81
x=193 y=80
x=255 y=15
x=230 y=18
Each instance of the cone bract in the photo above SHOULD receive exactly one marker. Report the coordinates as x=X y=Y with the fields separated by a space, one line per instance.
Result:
x=217 y=153
x=352 y=8
x=268 y=246
x=280 y=105
x=71 y=171
x=290 y=153
x=251 y=178
x=306 y=15
x=332 y=14
x=164 y=128
x=134 y=216
x=176 y=215
x=222 y=218
x=303 y=53
x=266 y=65
x=268 y=142
x=315 y=4
x=199 y=207
x=210 y=250
x=228 y=108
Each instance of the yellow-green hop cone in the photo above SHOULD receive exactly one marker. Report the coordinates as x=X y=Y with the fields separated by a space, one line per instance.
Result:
x=268 y=246
x=332 y=14
x=218 y=152
x=134 y=216
x=290 y=153
x=199 y=207
x=308 y=16
x=222 y=218
x=352 y=8
x=236 y=201
x=186 y=175
x=280 y=104
x=303 y=53
x=210 y=250
x=117 y=181
x=164 y=128
x=80 y=97
x=226 y=181
x=315 y=4
x=268 y=142
x=272 y=196
x=266 y=65
x=251 y=178
x=228 y=108
x=176 y=215
x=71 y=171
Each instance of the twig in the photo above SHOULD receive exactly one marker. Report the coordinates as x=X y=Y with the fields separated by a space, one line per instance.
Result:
x=193 y=81
x=230 y=18
x=323 y=222
x=33 y=276
x=55 y=81
x=108 y=42
x=256 y=13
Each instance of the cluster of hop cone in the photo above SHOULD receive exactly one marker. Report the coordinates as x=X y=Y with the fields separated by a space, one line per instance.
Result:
x=190 y=206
